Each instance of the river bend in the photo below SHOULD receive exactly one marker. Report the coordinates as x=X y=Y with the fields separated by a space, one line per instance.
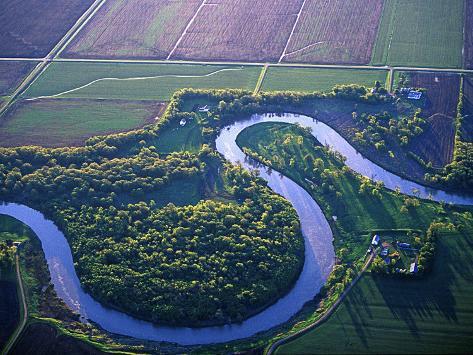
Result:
x=319 y=252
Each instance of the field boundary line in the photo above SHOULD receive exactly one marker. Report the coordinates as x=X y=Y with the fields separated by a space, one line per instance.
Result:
x=137 y=78
x=292 y=32
x=179 y=40
x=261 y=79
x=22 y=324
x=85 y=18
x=45 y=62
x=326 y=315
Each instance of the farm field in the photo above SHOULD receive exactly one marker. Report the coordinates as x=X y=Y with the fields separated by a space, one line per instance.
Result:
x=467 y=124
x=431 y=315
x=66 y=122
x=239 y=30
x=137 y=81
x=31 y=28
x=335 y=32
x=133 y=29
x=43 y=339
x=315 y=79
x=420 y=33
x=468 y=34
x=437 y=142
x=11 y=74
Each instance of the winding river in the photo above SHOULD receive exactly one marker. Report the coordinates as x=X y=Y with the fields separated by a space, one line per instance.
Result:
x=319 y=252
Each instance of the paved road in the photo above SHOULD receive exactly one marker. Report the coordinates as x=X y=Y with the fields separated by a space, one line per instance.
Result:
x=22 y=324
x=54 y=53
x=291 y=65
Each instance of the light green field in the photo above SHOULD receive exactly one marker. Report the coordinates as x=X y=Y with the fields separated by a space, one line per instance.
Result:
x=382 y=315
x=137 y=81
x=425 y=33
x=317 y=79
x=69 y=122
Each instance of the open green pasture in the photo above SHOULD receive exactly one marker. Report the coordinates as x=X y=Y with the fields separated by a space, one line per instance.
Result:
x=420 y=33
x=318 y=79
x=52 y=122
x=386 y=315
x=132 y=81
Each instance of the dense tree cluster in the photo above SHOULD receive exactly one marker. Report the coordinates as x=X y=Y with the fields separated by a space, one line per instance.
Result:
x=102 y=182
x=7 y=255
x=210 y=263
x=376 y=129
x=459 y=173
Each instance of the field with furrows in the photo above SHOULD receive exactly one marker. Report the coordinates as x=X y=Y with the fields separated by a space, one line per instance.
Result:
x=335 y=32
x=134 y=29
x=239 y=30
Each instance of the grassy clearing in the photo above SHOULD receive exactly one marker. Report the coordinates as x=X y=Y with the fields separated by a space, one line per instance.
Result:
x=420 y=33
x=433 y=315
x=316 y=79
x=54 y=122
x=176 y=138
x=11 y=228
x=61 y=77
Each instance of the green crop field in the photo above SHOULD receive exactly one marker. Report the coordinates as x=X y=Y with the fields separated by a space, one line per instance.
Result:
x=420 y=33
x=53 y=122
x=138 y=81
x=433 y=315
x=316 y=79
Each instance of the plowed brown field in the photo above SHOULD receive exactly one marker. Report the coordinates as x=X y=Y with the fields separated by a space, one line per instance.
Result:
x=134 y=29
x=335 y=31
x=467 y=124
x=11 y=74
x=436 y=144
x=31 y=28
x=240 y=30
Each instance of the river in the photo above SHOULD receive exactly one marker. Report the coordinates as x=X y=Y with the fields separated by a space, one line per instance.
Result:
x=319 y=252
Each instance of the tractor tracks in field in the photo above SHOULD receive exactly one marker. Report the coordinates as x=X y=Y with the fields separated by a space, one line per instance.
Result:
x=179 y=40
x=139 y=78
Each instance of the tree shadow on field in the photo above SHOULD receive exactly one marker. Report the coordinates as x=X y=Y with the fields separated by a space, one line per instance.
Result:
x=431 y=297
x=357 y=306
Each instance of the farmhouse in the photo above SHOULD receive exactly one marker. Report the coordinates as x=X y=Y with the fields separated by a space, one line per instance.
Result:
x=413 y=269
x=414 y=95
x=375 y=240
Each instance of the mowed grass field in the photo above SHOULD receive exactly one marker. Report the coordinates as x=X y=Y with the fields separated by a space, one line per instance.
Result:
x=31 y=28
x=317 y=79
x=51 y=122
x=133 y=29
x=386 y=315
x=137 y=81
x=335 y=31
x=425 y=33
